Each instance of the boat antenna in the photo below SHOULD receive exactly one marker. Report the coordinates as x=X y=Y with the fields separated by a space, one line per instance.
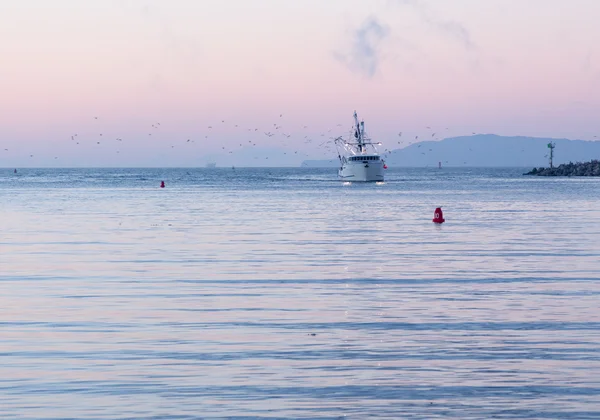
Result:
x=358 y=133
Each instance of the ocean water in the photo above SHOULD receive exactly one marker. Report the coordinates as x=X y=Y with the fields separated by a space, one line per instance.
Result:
x=283 y=293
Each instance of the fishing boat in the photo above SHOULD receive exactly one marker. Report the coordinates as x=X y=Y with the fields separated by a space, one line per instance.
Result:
x=359 y=158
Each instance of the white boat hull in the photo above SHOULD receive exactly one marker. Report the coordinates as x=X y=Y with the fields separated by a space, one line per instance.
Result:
x=361 y=171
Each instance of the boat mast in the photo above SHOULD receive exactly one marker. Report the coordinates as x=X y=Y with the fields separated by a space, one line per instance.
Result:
x=358 y=133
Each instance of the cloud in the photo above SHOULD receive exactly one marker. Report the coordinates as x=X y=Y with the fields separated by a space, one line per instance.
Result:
x=364 y=55
x=449 y=27
x=455 y=29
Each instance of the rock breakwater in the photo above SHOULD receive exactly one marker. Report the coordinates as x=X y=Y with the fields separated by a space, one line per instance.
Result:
x=591 y=168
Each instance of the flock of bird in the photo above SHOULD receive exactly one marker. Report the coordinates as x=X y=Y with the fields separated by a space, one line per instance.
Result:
x=301 y=142
x=251 y=138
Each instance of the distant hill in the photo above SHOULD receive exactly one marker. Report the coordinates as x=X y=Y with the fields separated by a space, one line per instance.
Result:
x=254 y=157
x=485 y=150
x=331 y=163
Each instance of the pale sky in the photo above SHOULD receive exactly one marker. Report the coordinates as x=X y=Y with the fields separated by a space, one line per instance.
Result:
x=508 y=67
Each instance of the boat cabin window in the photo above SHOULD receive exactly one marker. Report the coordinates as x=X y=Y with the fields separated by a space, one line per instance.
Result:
x=361 y=158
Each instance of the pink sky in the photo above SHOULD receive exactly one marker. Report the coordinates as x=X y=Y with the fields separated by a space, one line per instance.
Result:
x=497 y=66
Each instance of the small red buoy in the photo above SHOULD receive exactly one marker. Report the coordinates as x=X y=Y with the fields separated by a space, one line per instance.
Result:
x=162 y=184
x=438 y=216
x=384 y=166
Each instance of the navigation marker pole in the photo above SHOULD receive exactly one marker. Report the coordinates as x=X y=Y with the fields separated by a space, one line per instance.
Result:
x=551 y=146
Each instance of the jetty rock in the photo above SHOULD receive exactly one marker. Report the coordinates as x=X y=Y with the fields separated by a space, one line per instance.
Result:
x=591 y=168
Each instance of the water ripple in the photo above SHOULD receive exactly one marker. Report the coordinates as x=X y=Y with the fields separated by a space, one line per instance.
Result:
x=281 y=293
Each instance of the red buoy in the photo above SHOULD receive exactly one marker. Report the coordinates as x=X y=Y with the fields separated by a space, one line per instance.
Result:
x=438 y=216
x=384 y=166
x=162 y=184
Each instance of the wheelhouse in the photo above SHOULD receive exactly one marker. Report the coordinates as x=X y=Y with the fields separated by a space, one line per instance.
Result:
x=363 y=158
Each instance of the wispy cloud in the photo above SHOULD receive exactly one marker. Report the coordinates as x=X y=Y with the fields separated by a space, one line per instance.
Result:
x=448 y=27
x=364 y=54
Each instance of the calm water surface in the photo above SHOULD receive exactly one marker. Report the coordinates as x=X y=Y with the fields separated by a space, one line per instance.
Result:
x=283 y=293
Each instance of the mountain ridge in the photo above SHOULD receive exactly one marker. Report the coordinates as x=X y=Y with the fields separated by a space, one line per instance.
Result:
x=485 y=150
